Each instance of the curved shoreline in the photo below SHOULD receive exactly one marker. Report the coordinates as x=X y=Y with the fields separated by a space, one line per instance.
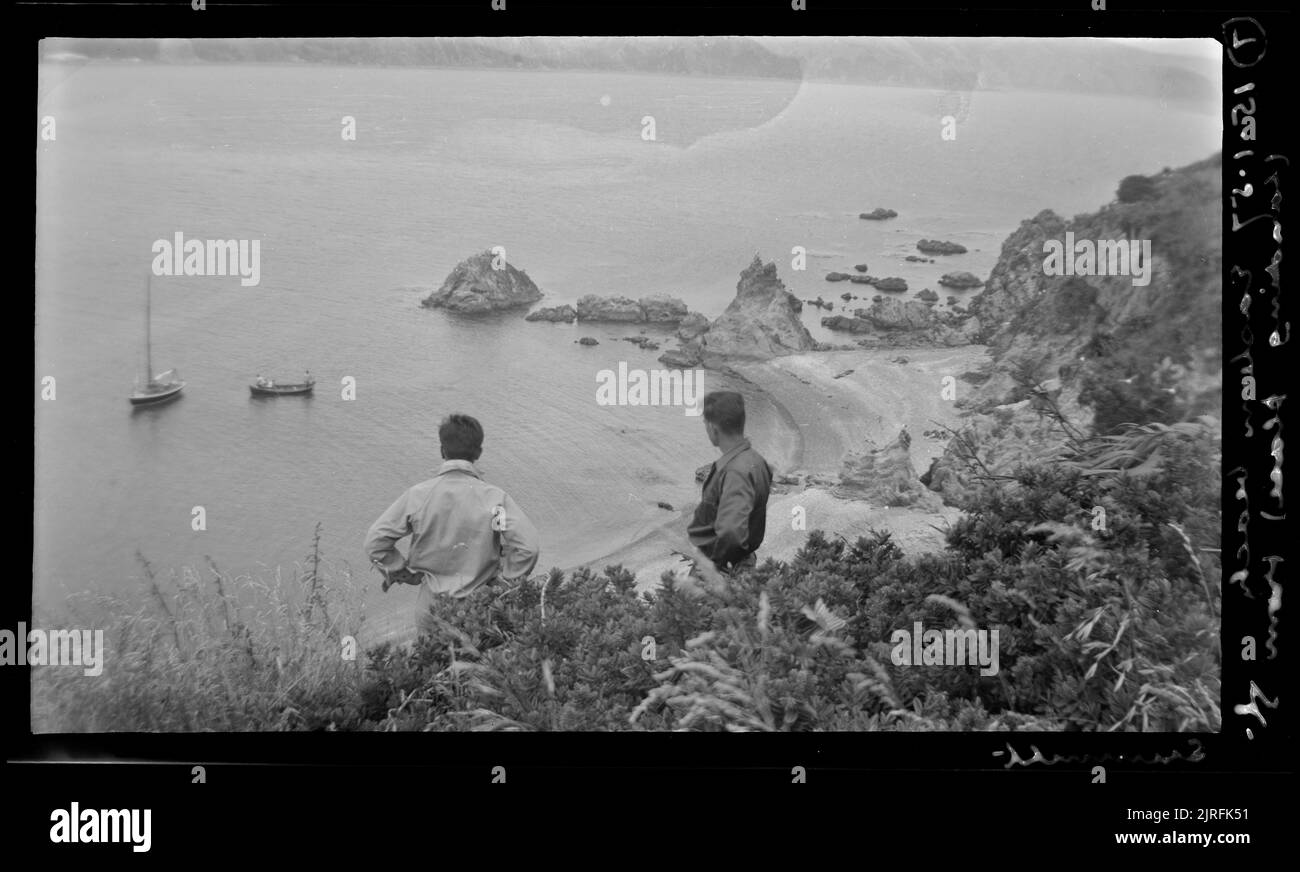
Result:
x=829 y=418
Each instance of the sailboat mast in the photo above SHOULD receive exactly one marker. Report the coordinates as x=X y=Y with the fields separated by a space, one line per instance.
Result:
x=148 y=349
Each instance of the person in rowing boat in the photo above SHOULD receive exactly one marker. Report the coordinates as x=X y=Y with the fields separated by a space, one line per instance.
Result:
x=464 y=533
x=262 y=382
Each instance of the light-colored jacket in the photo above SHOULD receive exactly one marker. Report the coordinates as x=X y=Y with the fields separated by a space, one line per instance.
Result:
x=464 y=532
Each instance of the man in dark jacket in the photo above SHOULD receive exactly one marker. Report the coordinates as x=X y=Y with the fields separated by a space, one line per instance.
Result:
x=731 y=518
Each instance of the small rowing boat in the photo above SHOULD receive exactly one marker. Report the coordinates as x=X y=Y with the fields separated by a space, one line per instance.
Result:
x=265 y=387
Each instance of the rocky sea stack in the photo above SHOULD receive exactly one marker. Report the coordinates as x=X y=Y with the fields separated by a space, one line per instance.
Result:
x=760 y=323
x=475 y=286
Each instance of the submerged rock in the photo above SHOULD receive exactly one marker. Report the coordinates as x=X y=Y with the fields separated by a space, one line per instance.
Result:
x=474 y=286
x=878 y=214
x=936 y=246
x=837 y=277
x=927 y=295
x=893 y=284
x=586 y=340
x=860 y=267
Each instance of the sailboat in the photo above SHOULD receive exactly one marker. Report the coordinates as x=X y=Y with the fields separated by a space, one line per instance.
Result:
x=153 y=389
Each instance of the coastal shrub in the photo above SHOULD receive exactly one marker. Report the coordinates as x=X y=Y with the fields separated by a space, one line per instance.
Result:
x=1135 y=188
x=203 y=651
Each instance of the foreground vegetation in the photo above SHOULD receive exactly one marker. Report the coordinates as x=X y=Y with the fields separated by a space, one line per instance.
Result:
x=1100 y=573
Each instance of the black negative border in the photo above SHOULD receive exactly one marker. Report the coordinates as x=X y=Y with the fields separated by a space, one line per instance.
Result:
x=571 y=756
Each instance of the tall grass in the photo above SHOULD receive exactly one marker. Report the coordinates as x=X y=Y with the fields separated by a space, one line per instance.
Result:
x=203 y=650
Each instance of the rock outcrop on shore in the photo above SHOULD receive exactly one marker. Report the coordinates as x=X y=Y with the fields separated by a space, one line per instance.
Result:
x=936 y=246
x=693 y=325
x=474 y=287
x=564 y=314
x=655 y=309
x=847 y=324
x=663 y=309
x=885 y=476
x=960 y=279
x=618 y=309
x=761 y=322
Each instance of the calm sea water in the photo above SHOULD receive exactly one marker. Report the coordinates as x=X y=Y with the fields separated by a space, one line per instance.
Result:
x=553 y=167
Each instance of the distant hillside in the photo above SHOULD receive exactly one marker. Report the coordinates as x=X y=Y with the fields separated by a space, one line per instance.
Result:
x=951 y=64
x=720 y=56
x=965 y=64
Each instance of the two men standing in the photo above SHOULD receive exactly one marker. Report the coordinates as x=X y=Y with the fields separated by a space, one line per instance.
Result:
x=466 y=533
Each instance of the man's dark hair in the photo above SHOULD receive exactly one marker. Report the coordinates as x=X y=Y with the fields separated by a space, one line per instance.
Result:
x=461 y=437
x=726 y=411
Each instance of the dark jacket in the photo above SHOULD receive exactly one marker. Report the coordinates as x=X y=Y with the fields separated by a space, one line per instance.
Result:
x=731 y=518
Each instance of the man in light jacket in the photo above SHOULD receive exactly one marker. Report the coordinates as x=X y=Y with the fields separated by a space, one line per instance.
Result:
x=464 y=532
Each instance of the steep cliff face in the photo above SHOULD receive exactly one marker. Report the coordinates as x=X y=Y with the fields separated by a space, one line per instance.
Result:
x=1104 y=349
x=474 y=286
x=760 y=323
x=1094 y=331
